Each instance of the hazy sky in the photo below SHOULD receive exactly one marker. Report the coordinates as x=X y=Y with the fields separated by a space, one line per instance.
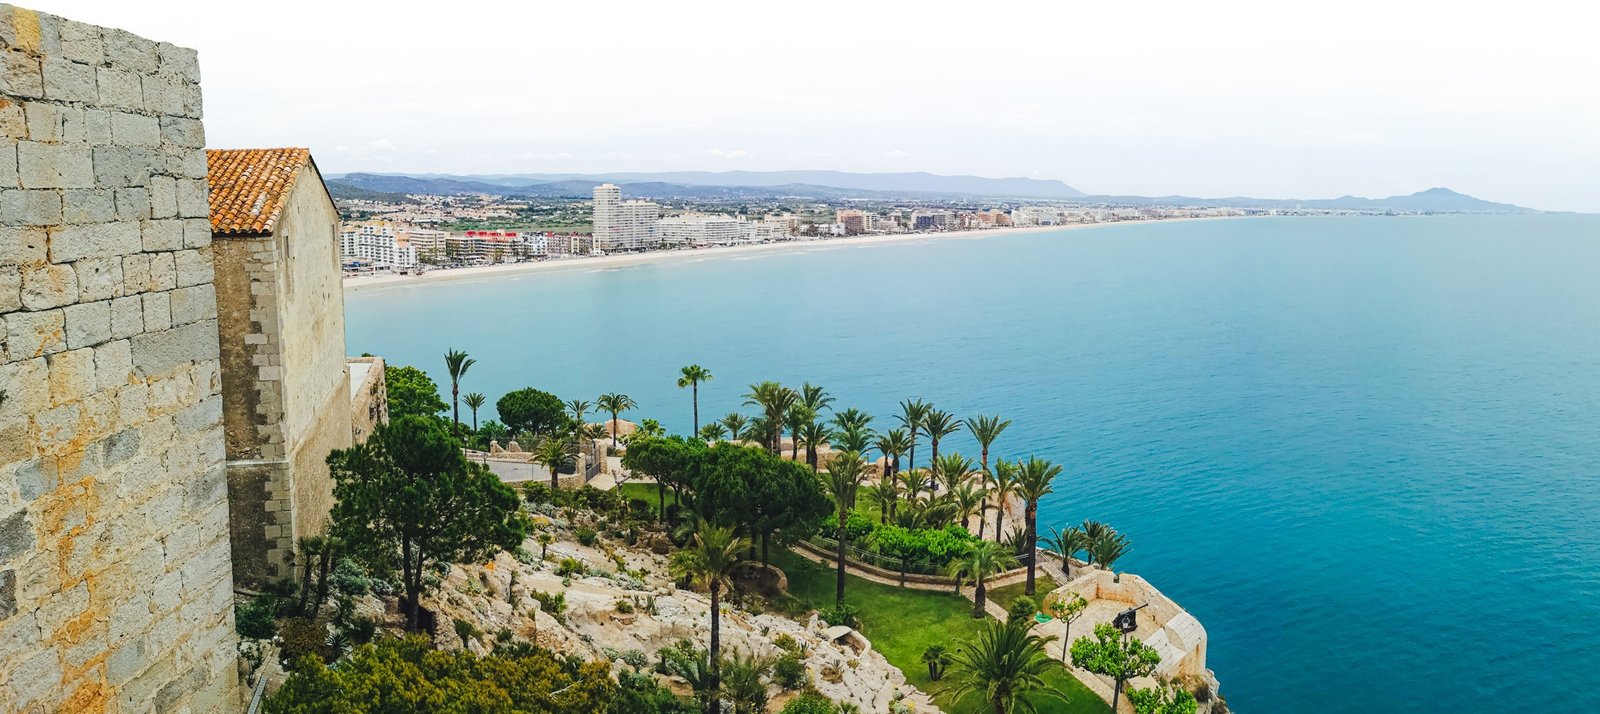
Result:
x=1499 y=100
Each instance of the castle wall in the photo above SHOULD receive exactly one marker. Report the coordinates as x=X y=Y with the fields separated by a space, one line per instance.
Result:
x=116 y=592
x=286 y=393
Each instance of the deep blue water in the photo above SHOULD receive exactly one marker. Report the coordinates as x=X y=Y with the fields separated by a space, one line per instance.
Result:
x=1365 y=452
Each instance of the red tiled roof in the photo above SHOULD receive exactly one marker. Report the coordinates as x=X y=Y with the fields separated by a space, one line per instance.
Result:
x=249 y=187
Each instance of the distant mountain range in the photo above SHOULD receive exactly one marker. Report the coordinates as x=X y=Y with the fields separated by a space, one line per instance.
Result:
x=838 y=185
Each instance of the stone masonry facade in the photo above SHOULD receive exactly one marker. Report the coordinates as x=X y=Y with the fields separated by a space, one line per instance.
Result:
x=116 y=589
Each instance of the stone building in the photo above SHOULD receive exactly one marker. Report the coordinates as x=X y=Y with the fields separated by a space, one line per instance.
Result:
x=285 y=389
x=116 y=588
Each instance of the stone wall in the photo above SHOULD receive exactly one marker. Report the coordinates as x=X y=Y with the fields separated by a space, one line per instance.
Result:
x=286 y=392
x=369 y=396
x=115 y=585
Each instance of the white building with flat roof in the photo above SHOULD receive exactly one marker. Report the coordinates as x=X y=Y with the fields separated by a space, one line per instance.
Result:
x=701 y=229
x=623 y=225
x=375 y=243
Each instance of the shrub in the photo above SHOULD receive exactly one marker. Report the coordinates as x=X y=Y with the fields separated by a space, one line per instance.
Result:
x=636 y=659
x=361 y=629
x=788 y=644
x=810 y=703
x=569 y=567
x=1023 y=607
x=304 y=637
x=586 y=535
x=789 y=672
x=624 y=606
x=553 y=603
x=466 y=631
x=842 y=614
x=857 y=526
x=254 y=619
x=537 y=493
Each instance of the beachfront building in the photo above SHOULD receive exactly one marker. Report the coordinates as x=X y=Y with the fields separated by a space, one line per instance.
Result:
x=706 y=229
x=932 y=220
x=770 y=229
x=494 y=246
x=623 y=225
x=1035 y=216
x=428 y=244
x=376 y=243
x=855 y=221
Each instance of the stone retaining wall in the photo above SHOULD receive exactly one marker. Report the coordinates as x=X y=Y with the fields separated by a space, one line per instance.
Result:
x=115 y=584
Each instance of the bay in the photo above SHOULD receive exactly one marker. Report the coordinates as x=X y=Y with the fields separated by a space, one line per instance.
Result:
x=1363 y=451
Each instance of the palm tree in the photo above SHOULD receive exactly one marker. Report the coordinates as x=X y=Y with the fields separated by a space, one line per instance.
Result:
x=742 y=683
x=457 y=363
x=937 y=657
x=1006 y=665
x=1093 y=531
x=856 y=438
x=986 y=429
x=939 y=424
x=814 y=398
x=952 y=469
x=892 y=445
x=616 y=404
x=735 y=422
x=759 y=431
x=545 y=539
x=844 y=477
x=1066 y=543
x=981 y=560
x=796 y=419
x=1033 y=483
x=967 y=498
x=714 y=431
x=709 y=562
x=851 y=419
x=774 y=400
x=578 y=408
x=814 y=435
x=1004 y=487
x=554 y=453
x=693 y=375
x=473 y=400
x=915 y=480
x=912 y=412
x=1107 y=549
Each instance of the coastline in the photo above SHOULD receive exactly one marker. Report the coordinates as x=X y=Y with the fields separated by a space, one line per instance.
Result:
x=444 y=275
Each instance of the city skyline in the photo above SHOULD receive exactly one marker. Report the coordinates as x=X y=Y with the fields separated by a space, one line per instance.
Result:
x=1250 y=99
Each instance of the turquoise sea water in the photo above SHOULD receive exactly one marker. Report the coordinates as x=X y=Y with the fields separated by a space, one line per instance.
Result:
x=1365 y=452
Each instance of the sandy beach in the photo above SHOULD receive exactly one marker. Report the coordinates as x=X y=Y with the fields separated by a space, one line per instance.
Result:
x=662 y=256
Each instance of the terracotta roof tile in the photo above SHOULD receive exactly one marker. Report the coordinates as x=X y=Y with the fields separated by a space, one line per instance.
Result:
x=250 y=186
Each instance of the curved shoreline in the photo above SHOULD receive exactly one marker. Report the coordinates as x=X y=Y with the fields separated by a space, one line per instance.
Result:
x=602 y=262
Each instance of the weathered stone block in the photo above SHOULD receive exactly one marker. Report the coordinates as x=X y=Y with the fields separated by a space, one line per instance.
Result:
x=163 y=235
x=157 y=312
x=20 y=75
x=163 y=197
x=48 y=286
x=68 y=81
x=193 y=304
x=35 y=334
x=164 y=94
x=119 y=88
x=55 y=165
x=97 y=126
x=194 y=200
x=180 y=61
x=10 y=288
x=8 y=594
x=133 y=203
x=163 y=272
x=72 y=376
x=193 y=266
x=133 y=404
x=88 y=205
x=156 y=353
x=94 y=240
x=88 y=324
x=21 y=246
x=16 y=536
x=118 y=166
x=36 y=478
x=31 y=208
x=181 y=132
x=135 y=130
x=80 y=42
x=126 y=49
x=45 y=122
x=99 y=278
x=197 y=233
x=127 y=316
x=8 y=164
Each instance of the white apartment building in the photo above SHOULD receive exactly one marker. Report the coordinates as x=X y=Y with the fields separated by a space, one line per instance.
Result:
x=430 y=244
x=623 y=225
x=1035 y=216
x=376 y=243
x=701 y=229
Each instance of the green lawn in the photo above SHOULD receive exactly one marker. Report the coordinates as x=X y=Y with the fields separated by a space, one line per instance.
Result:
x=645 y=492
x=901 y=623
x=1042 y=585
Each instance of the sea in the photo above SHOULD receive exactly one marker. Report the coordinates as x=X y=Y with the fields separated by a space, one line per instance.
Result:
x=1363 y=451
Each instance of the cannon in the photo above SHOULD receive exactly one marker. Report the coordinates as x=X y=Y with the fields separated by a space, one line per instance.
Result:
x=1128 y=620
